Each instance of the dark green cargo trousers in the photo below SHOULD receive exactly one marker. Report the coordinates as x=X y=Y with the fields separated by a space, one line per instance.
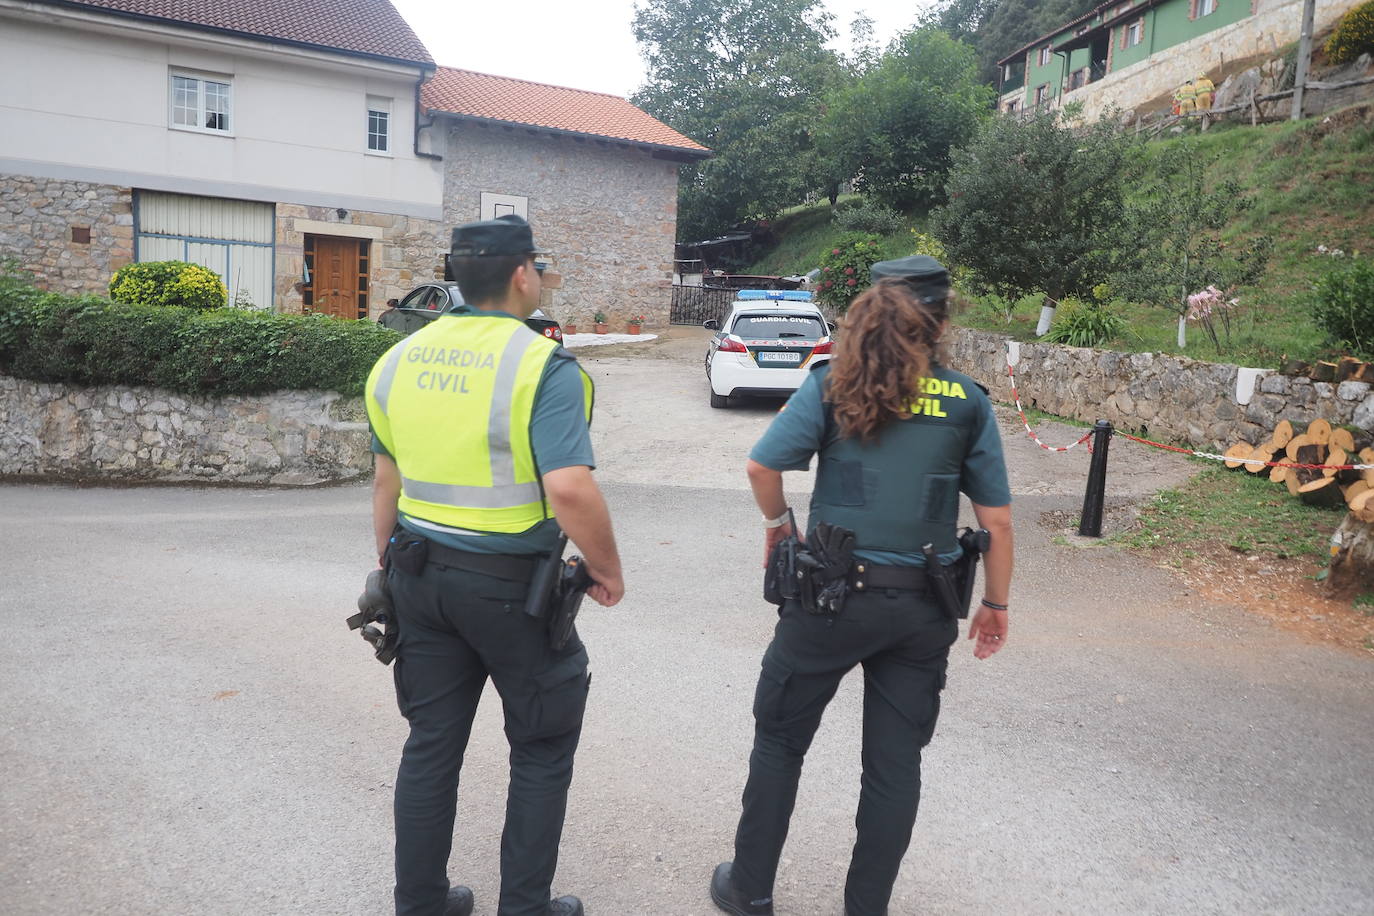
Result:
x=458 y=628
x=902 y=639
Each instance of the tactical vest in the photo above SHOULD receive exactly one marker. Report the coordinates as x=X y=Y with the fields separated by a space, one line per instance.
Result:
x=453 y=404
x=901 y=490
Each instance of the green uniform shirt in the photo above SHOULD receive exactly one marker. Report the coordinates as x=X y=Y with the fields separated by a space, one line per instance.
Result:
x=798 y=433
x=559 y=438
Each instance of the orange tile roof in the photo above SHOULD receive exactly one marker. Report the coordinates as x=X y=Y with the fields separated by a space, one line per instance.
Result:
x=371 y=28
x=500 y=98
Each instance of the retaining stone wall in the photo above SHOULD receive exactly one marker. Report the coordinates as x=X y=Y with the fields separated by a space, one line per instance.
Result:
x=1211 y=405
x=295 y=438
x=37 y=216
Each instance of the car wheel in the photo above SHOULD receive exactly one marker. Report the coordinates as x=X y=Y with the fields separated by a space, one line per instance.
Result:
x=719 y=400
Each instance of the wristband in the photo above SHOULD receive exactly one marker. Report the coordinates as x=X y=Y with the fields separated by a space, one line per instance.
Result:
x=994 y=605
x=777 y=522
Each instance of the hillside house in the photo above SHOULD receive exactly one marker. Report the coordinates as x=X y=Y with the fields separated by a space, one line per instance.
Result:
x=1125 y=53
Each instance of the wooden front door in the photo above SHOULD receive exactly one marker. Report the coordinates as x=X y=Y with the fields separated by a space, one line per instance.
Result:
x=338 y=270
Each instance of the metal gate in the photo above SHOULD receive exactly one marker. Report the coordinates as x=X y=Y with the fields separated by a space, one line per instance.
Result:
x=695 y=304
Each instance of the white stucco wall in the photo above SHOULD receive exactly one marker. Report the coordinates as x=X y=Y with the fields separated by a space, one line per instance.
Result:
x=83 y=99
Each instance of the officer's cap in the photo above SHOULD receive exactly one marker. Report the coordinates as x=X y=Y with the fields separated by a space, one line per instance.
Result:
x=504 y=236
x=925 y=275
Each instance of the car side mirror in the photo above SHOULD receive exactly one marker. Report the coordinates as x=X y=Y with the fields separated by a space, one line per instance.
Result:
x=711 y=324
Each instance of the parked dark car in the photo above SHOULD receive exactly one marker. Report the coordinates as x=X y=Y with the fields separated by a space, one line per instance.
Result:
x=430 y=300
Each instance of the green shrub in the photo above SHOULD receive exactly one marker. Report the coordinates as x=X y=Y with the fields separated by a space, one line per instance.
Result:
x=168 y=283
x=864 y=215
x=1345 y=305
x=91 y=341
x=1354 y=34
x=1085 y=324
x=844 y=269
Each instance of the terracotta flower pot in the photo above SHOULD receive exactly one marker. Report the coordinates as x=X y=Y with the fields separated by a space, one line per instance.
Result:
x=633 y=328
x=569 y=329
x=601 y=327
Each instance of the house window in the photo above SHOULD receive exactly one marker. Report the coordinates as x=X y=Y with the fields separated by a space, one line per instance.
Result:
x=1012 y=106
x=1042 y=94
x=378 y=125
x=1043 y=57
x=1207 y=7
x=1077 y=78
x=1135 y=32
x=199 y=103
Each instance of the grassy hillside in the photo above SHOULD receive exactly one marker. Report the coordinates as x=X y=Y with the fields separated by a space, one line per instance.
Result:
x=1313 y=184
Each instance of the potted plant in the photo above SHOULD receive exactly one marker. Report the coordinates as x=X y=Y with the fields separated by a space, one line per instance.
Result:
x=635 y=324
x=599 y=323
x=569 y=329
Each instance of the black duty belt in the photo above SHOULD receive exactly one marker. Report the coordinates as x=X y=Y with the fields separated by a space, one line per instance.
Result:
x=865 y=576
x=502 y=566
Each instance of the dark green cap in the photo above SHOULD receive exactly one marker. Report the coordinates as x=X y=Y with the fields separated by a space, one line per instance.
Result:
x=500 y=237
x=925 y=275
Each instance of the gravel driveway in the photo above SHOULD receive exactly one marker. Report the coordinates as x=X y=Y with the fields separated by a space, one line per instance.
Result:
x=189 y=728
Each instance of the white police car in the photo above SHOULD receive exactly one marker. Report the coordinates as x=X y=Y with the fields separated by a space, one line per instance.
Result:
x=765 y=346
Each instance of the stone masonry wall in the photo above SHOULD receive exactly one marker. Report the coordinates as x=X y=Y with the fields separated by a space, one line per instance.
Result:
x=607 y=213
x=290 y=437
x=37 y=216
x=1274 y=24
x=1212 y=405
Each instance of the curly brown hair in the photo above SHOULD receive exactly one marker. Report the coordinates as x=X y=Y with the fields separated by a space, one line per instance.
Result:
x=890 y=339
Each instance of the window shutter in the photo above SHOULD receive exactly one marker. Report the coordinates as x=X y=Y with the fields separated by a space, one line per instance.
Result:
x=1192 y=10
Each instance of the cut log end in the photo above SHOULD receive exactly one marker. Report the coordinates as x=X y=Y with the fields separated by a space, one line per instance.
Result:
x=1324 y=491
x=1236 y=454
x=1283 y=434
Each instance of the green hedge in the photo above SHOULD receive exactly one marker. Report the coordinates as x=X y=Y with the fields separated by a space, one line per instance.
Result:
x=92 y=341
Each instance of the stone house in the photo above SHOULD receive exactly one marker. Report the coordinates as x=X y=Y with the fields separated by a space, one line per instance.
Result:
x=280 y=147
x=1127 y=52
x=312 y=154
x=594 y=175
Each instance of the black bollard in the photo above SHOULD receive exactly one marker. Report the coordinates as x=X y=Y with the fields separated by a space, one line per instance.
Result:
x=1090 y=521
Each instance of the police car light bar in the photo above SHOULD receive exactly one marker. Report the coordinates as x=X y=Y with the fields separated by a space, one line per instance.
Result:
x=788 y=295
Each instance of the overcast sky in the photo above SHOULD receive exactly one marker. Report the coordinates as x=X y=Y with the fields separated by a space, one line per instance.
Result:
x=583 y=45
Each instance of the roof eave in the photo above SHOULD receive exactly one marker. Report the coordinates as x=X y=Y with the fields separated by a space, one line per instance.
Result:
x=664 y=150
x=426 y=65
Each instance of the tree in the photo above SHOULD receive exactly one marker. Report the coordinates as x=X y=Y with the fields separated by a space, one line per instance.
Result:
x=893 y=128
x=996 y=28
x=1037 y=207
x=1176 y=220
x=743 y=77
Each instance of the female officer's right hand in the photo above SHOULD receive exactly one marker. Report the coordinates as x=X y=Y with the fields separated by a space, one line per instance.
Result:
x=989 y=628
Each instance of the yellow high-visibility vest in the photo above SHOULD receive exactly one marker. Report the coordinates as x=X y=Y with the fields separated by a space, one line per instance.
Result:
x=453 y=404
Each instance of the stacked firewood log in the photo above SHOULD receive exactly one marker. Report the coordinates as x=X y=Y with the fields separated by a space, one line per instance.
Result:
x=1316 y=443
x=1347 y=369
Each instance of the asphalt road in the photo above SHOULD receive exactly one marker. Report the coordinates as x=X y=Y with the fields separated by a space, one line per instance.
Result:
x=188 y=727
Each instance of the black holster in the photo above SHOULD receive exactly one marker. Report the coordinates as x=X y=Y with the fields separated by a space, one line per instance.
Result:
x=556 y=593
x=952 y=585
x=814 y=573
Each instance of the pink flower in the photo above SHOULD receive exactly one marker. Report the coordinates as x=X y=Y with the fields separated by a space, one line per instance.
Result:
x=851 y=282
x=834 y=251
x=849 y=271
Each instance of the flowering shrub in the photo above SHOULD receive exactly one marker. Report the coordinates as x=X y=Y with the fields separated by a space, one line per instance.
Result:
x=1208 y=305
x=1354 y=34
x=844 y=269
x=168 y=283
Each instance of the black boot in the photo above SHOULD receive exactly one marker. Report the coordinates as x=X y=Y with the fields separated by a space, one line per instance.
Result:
x=459 y=902
x=566 y=906
x=729 y=898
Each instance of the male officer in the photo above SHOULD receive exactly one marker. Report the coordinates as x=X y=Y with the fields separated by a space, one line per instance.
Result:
x=482 y=454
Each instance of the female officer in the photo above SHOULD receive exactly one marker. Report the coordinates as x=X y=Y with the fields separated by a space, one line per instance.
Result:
x=898 y=436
